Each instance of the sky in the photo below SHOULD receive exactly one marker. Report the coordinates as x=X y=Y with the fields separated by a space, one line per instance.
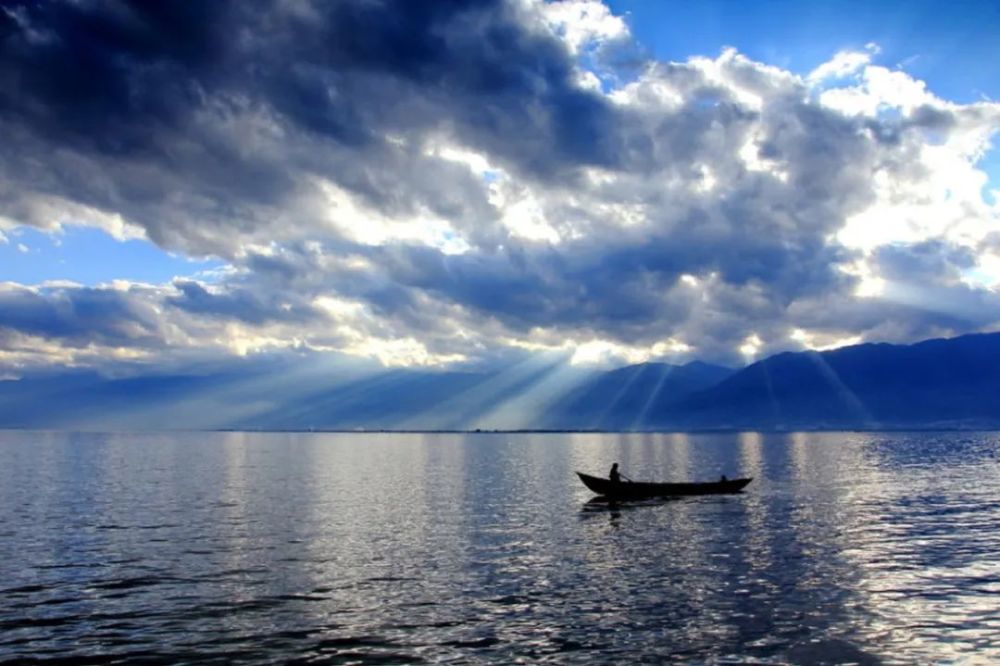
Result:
x=469 y=184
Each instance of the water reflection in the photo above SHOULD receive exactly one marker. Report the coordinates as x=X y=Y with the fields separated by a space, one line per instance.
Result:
x=400 y=548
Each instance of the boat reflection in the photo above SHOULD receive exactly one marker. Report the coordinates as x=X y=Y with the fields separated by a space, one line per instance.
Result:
x=614 y=507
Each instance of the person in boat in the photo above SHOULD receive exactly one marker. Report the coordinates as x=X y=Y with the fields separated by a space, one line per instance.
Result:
x=614 y=475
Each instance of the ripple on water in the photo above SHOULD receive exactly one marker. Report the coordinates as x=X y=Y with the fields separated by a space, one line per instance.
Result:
x=231 y=547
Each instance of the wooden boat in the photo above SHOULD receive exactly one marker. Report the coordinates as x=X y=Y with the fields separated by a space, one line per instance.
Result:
x=627 y=490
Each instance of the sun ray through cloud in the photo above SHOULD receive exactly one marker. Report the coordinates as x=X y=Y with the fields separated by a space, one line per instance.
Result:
x=514 y=176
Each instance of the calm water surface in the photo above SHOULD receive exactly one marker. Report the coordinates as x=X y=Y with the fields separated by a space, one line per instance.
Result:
x=340 y=548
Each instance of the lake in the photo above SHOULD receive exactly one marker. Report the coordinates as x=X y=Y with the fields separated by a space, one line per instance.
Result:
x=482 y=548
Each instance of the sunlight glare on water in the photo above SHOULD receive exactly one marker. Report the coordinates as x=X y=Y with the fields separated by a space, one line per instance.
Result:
x=401 y=548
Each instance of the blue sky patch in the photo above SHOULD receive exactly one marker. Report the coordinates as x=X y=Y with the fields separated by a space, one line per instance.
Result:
x=948 y=45
x=90 y=256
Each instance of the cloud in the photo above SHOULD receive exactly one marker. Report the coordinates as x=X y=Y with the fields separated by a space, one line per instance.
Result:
x=584 y=23
x=844 y=63
x=159 y=116
x=442 y=183
x=77 y=315
x=238 y=304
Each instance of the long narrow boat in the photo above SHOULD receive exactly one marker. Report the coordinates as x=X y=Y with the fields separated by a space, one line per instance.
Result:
x=626 y=490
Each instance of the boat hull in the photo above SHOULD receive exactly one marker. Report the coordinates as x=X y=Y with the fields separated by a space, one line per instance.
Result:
x=641 y=490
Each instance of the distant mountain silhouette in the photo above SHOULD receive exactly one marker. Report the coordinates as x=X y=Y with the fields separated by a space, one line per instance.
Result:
x=932 y=384
x=937 y=383
x=272 y=396
x=88 y=401
x=626 y=398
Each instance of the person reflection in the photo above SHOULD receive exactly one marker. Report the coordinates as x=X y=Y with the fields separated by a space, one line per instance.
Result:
x=614 y=515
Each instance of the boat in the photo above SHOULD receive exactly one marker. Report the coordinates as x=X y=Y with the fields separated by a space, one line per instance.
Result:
x=630 y=490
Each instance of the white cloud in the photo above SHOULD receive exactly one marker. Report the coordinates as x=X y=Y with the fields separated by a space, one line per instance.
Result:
x=355 y=220
x=823 y=340
x=709 y=208
x=52 y=212
x=583 y=23
x=843 y=64
x=751 y=346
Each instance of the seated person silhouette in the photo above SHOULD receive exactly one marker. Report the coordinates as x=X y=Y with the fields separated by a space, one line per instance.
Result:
x=614 y=475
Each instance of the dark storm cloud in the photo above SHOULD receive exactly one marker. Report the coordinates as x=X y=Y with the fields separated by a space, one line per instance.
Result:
x=239 y=304
x=107 y=75
x=308 y=272
x=416 y=65
x=78 y=316
x=539 y=288
x=132 y=80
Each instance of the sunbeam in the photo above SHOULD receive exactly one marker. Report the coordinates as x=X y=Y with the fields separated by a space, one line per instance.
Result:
x=848 y=397
x=640 y=417
x=242 y=398
x=599 y=421
x=528 y=407
x=468 y=408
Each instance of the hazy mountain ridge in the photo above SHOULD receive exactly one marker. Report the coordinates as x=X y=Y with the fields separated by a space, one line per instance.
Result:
x=936 y=383
x=627 y=398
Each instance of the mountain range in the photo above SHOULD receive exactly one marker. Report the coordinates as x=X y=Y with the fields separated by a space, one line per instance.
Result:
x=941 y=383
x=632 y=397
